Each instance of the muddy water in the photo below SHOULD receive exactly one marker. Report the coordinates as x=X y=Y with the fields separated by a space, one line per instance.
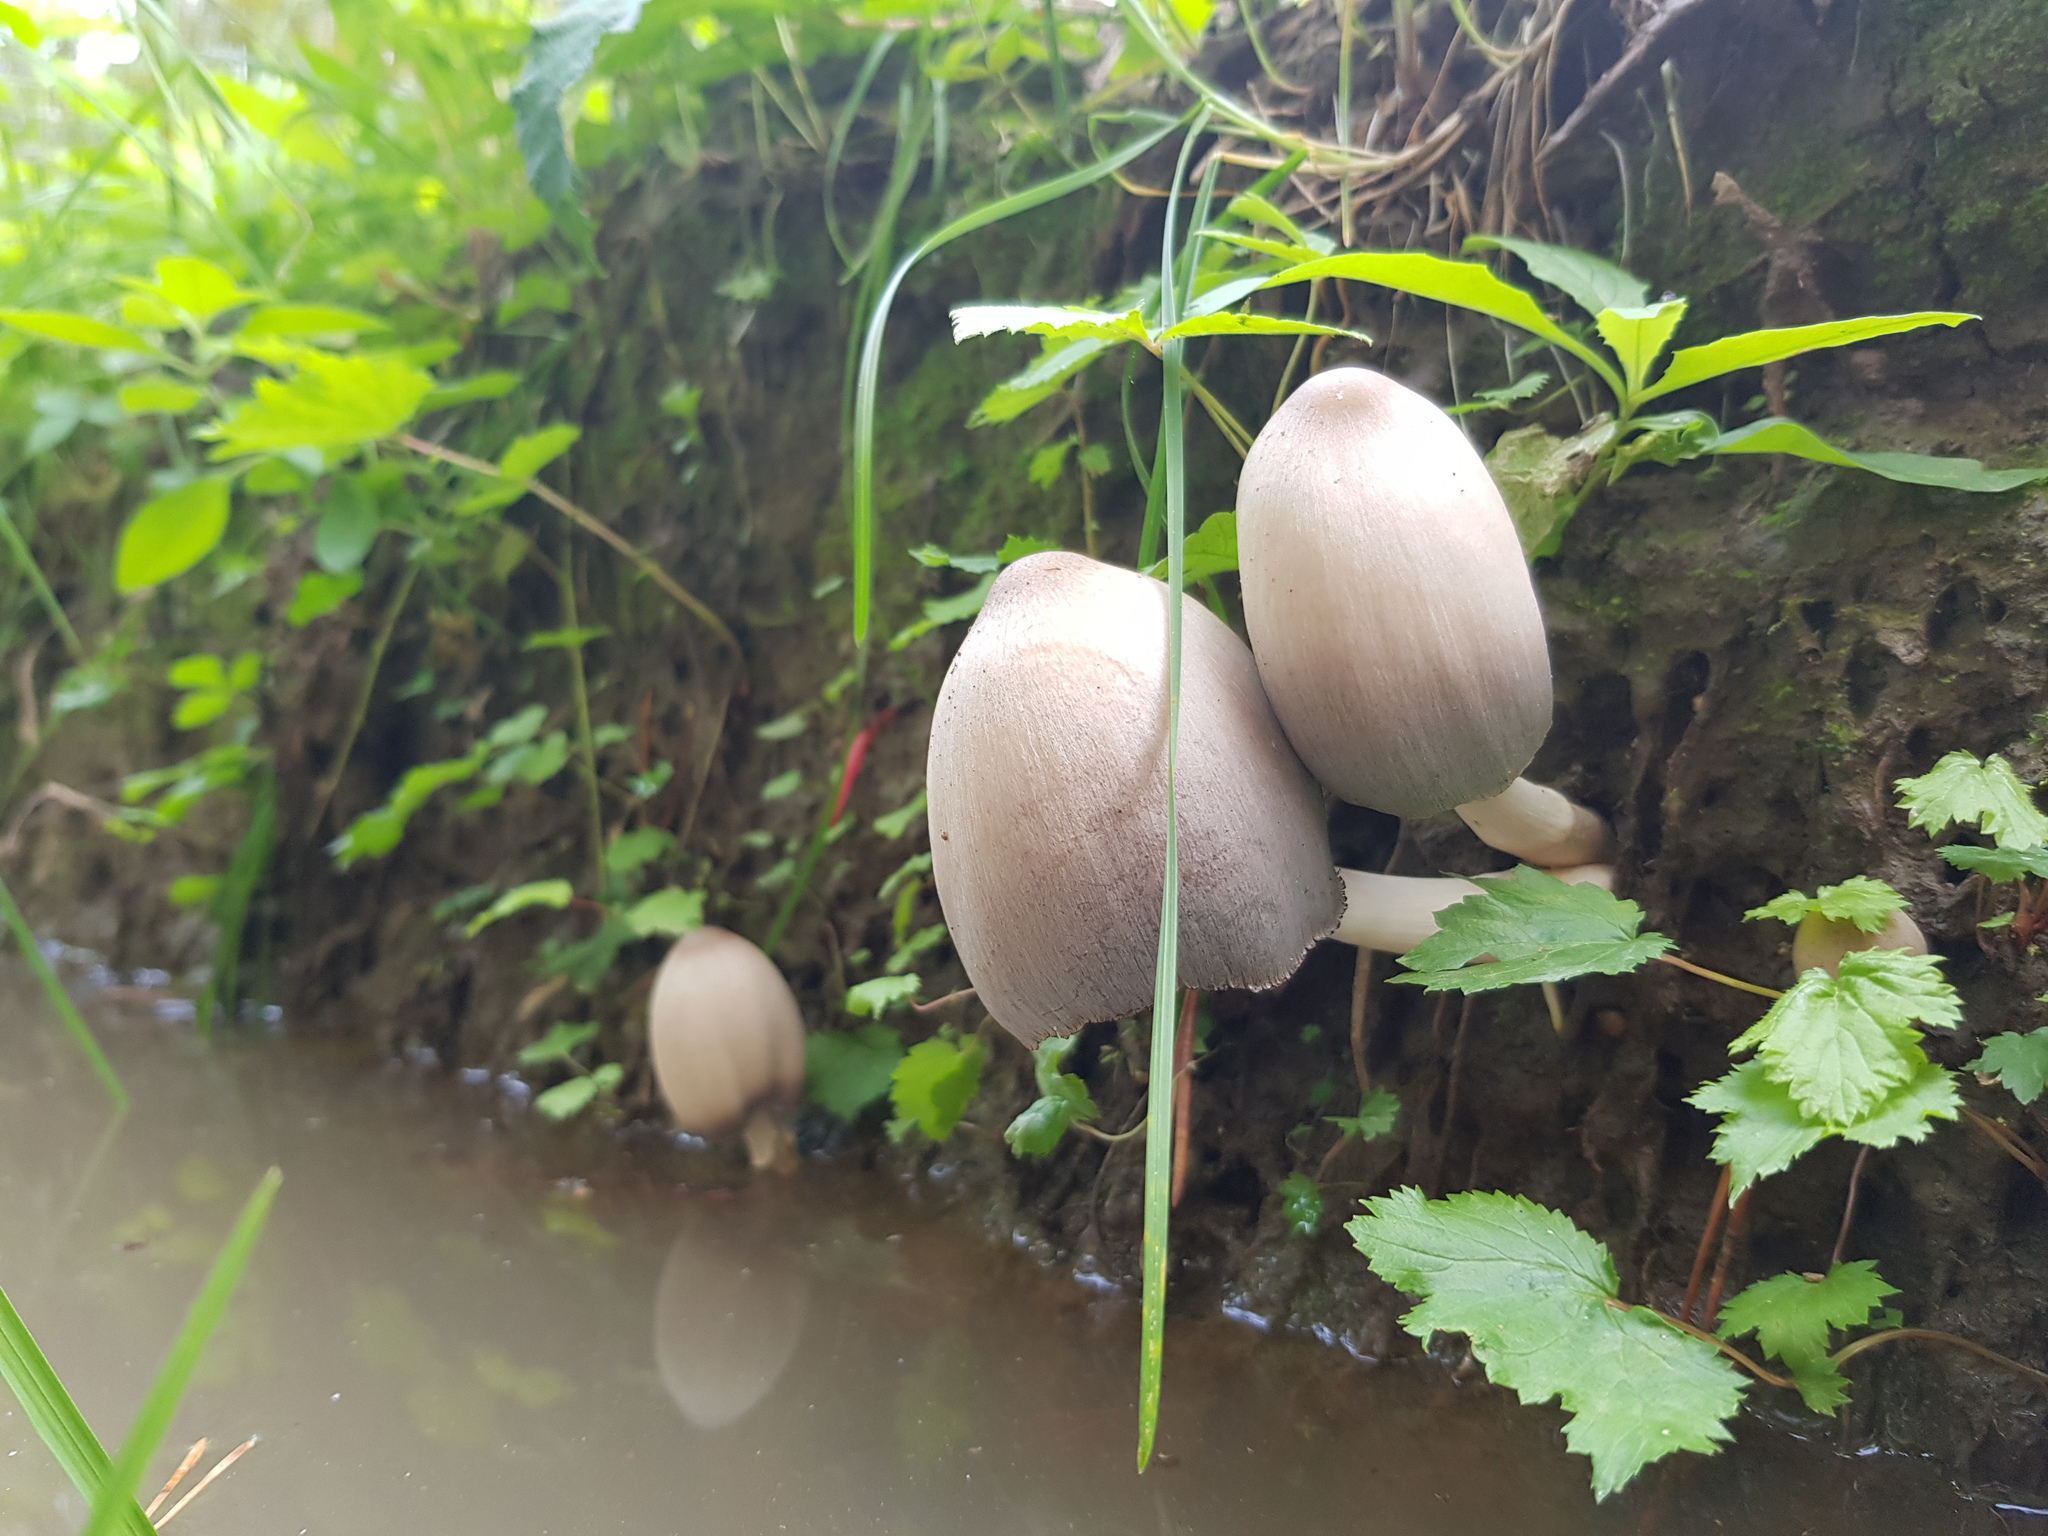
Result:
x=460 y=1321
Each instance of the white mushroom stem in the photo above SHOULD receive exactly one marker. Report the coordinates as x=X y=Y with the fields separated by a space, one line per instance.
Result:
x=1538 y=826
x=1397 y=912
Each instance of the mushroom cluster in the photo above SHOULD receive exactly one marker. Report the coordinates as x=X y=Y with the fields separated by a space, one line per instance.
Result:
x=1397 y=657
x=728 y=1043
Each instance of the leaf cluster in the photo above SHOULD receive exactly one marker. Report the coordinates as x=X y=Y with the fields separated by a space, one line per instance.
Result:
x=1529 y=926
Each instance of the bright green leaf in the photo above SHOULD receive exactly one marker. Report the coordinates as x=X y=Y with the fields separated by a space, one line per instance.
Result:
x=671 y=912
x=783 y=728
x=555 y=894
x=630 y=850
x=308 y=320
x=560 y=1043
x=348 y=527
x=1592 y=283
x=330 y=403
x=1236 y=324
x=934 y=1083
x=2018 y=1061
x=1779 y=436
x=1045 y=465
x=897 y=822
x=1536 y=928
x=198 y=287
x=2002 y=866
x=1985 y=793
x=169 y=535
x=494 y=385
x=565 y=1100
x=872 y=999
x=1764 y=1131
x=21 y=24
x=1868 y=904
x=847 y=1070
x=78 y=330
x=1638 y=336
x=189 y=891
x=1375 y=1117
x=146 y=395
x=1062 y=322
x=1301 y=1204
x=530 y=454
x=1039 y=1126
x=319 y=594
x=1793 y=1314
x=1539 y=1301
x=1752 y=349
x=1042 y=380
x=783 y=785
x=563 y=639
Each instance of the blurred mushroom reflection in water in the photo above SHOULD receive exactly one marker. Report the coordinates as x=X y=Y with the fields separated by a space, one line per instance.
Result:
x=727 y=1314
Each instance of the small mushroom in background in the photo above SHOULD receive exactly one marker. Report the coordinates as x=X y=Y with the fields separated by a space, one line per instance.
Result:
x=1822 y=942
x=1393 y=619
x=728 y=1312
x=1394 y=913
x=1047 y=786
x=728 y=1043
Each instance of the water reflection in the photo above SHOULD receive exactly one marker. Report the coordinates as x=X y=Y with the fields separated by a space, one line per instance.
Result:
x=727 y=1314
x=447 y=1330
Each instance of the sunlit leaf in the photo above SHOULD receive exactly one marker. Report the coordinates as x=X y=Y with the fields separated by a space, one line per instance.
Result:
x=1536 y=928
x=554 y=894
x=1763 y=1130
x=2001 y=866
x=309 y=320
x=170 y=534
x=671 y=913
x=1235 y=324
x=935 y=1082
x=1592 y=283
x=168 y=395
x=319 y=593
x=481 y=386
x=198 y=287
x=1752 y=349
x=1209 y=551
x=1540 y=1302
x=872 y=999
x=1982 y=792
x=1779 y=436
x=560 y=1043
x=1060 y=321
x=78 y=330
x=530 y=454
x=330 y=403
x=1638 y=336
x=1868 y=904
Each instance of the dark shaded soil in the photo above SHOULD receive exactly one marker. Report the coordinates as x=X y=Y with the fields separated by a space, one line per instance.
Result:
x=1747 y=658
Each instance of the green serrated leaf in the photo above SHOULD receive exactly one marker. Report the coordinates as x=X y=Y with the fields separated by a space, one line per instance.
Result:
x=847 y=1070
x=1042 y=380
x=1536 y=928
x=1843 y=1044
x=934 y=1083
x=2002 y=866
x=1209 y=551
x=872 y=999
x=1039 y=1126
x=671 y=912
x=336 y=403
x=1375 y=1118
x=1237 y=324
x=1793 y=1314
x=2018 y=1061
x=1983 y=792
x=1867 y=903
x=1539 y=1301
x=1301 y=1204
x=1764 y=1131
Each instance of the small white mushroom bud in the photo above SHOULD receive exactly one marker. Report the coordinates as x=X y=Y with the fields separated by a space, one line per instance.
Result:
x=727 y=1041
x=1822 y=941
x=1387 y=599
x=1047 y=786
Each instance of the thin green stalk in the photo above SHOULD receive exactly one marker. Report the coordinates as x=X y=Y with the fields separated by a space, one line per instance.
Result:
x=840 y=130
x=1172 y=469
x=868 y=376
x=26 y=560
x=332 y=780
x=60 y=1000
x=1062 y=107
x=1347 y=11
x=153 y=1418
x=586 y=743
x=231 y=908
x=55 y=1417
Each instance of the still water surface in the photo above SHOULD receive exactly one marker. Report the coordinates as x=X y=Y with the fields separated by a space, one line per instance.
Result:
x=459 y=1321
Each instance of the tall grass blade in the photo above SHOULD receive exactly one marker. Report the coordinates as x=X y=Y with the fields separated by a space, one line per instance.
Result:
x=32 y=573
x=153 y=1418
x=868 y=375
x=60 y=1000
x=56 y=1419
x=1171 y=467
x=231 y=907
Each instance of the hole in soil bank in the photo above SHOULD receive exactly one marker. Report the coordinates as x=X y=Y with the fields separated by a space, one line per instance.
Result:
x=1870 y=671
x=1819 y=618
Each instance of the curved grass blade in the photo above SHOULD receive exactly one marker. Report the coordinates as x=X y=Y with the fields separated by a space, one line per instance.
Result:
x=153 y=1418
x=868 y=375
x=55 y=1417
x=1172 y=469
x=60 y=1000
x=837 y=150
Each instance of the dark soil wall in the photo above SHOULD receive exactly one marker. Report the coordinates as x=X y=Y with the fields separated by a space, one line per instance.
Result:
x=1747 y=658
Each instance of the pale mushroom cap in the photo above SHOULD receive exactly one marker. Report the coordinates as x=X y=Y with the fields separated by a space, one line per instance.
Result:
x=1387 y=599
x=727 y=1316
x=1821 y=942
x=725 y=1032
x=1047 y=786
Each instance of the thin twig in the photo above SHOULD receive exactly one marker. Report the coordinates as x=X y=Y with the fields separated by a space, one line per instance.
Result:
x=1733 y=1241
x=218 y=1467
x=1849 y=1206
x=324 y=792
x=1715 y=1215
x=1849 y=1352
x=2008 y=1143
x=587 y=523
x=191 y=1460
x=937 y=1003
x=1726 y=981
x=1105 y=1136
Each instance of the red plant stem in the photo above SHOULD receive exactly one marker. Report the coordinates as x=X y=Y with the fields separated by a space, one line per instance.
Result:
x=1849 y=1206
x=1715 y=1215
x=1733 y=1240
x=856 y=756
x=1183 y=1091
